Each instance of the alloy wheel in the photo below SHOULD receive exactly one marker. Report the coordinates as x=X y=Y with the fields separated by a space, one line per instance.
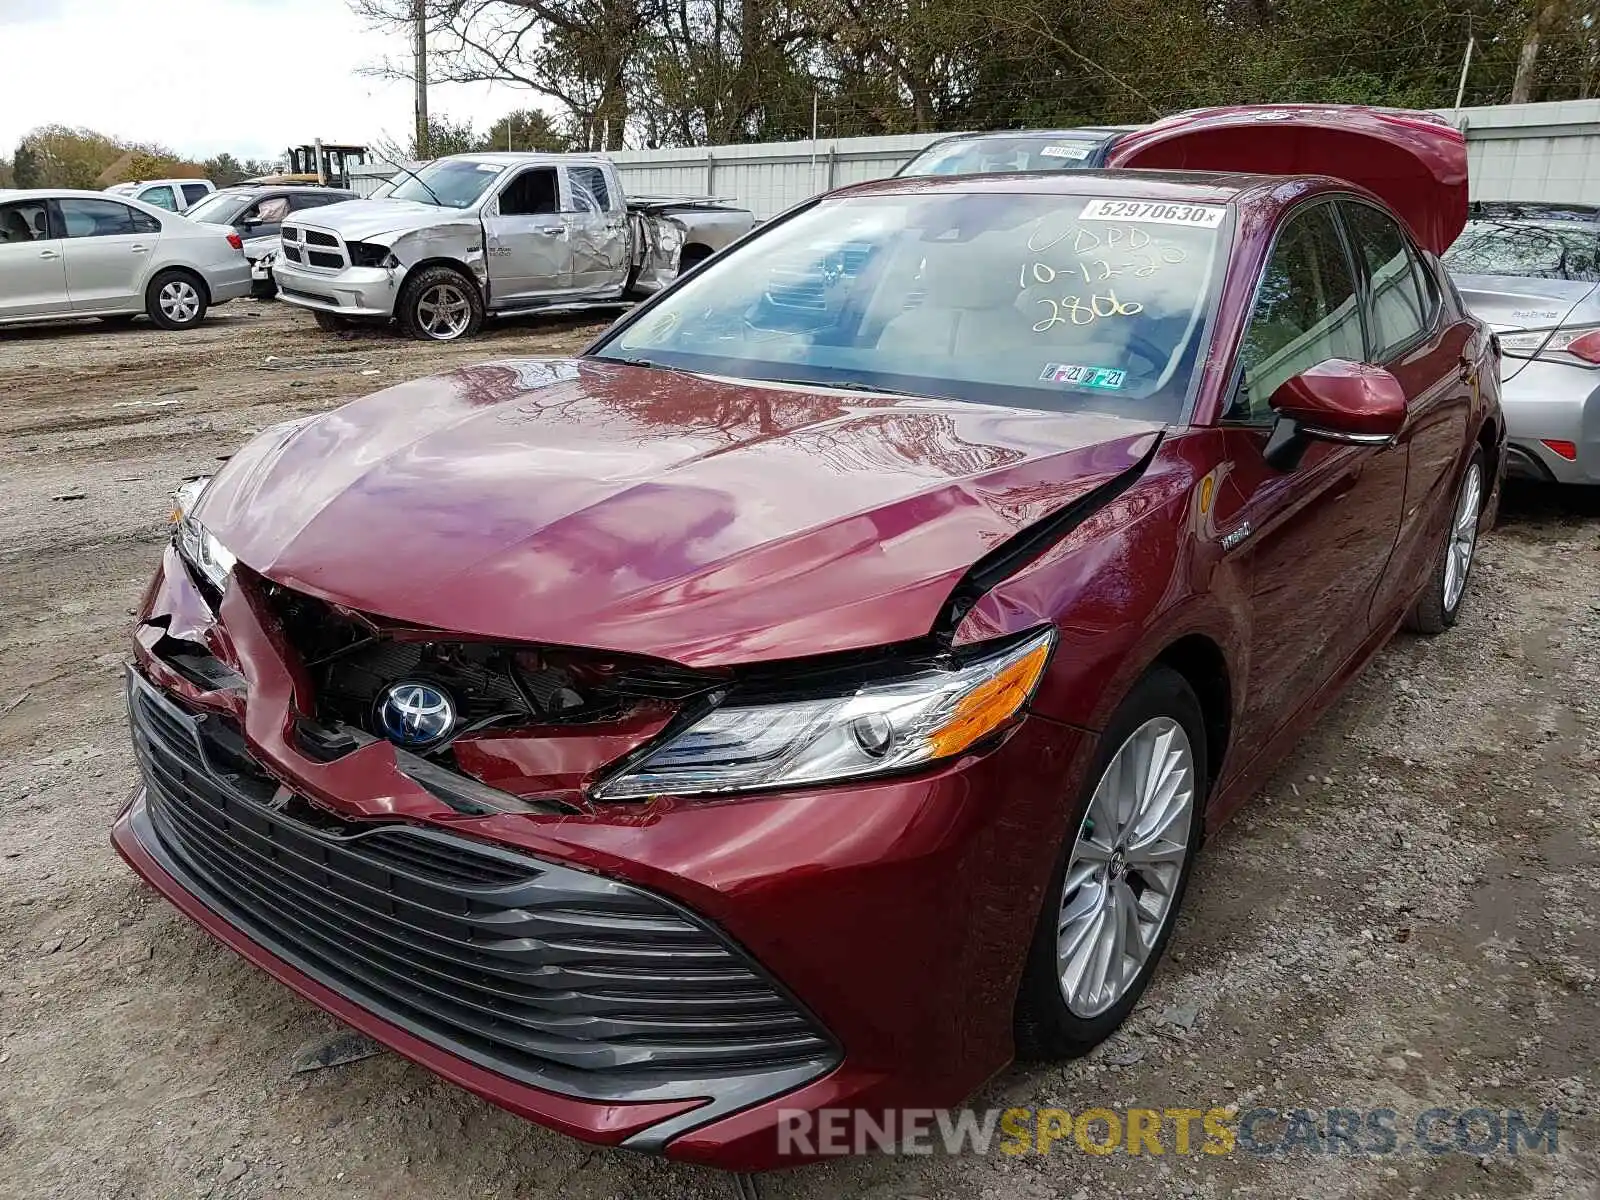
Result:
x=1463 y=537
x=180 y=301
x=1125 y=867
x=444 y=312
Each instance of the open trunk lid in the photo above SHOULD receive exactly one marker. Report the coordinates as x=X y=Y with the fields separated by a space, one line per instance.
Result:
x=1414 y=161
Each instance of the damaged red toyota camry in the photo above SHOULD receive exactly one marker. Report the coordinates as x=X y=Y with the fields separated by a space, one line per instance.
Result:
x=815 y=693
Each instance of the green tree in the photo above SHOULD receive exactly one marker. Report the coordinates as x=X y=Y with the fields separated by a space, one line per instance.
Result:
x=525 y=129
x=25 y=166
x=224 y=169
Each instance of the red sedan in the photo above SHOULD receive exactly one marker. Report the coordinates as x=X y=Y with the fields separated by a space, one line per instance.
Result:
x=816 y=693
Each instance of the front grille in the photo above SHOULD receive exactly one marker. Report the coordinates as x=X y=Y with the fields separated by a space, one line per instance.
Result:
x=563 y=979
x=312 y=248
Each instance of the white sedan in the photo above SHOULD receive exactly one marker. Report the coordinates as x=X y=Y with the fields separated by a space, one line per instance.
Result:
x=68 y=254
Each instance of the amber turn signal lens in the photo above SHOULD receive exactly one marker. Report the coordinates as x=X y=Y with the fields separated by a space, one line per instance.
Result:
x=989 y=705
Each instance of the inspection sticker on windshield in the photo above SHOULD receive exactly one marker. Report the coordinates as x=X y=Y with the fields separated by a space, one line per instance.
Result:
x=1199 y=216
x=1076 y=153
x=1106 y=378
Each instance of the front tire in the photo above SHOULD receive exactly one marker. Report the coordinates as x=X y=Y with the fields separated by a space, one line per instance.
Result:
x=1440 y=603
x=440 y=304
x=1118 y=884
x=176 y=300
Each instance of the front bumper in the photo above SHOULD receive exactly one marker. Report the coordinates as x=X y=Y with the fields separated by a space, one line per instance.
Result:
x=352 y=292
x=1559 y=402
x=887 y=921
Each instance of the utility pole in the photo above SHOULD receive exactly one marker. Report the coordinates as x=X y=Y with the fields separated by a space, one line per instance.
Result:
x=1466 y=65
x=420 y=49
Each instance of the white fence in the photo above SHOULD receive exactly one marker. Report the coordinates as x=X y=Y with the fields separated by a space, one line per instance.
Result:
x=1548 y=152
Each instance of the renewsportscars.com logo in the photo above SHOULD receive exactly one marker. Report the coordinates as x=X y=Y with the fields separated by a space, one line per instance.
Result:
x=1158 y=1131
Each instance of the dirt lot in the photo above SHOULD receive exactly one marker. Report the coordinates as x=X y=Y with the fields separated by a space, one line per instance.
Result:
x=1405 y=919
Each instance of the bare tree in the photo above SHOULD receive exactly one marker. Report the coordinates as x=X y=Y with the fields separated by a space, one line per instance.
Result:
x=576 y=52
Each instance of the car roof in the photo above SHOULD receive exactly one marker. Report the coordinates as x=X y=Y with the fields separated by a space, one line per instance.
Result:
x=1080 y=132
x=508 y=158
x=286 y=189
x=62 y=193
x=1181 y=187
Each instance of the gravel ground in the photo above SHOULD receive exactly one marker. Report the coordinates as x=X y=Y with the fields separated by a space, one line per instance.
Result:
x=1404 y=919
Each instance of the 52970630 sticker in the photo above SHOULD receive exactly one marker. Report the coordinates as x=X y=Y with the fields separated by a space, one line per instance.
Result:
x=1156 y=212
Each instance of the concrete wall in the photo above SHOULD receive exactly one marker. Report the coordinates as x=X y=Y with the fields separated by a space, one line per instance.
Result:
x=1545 y=152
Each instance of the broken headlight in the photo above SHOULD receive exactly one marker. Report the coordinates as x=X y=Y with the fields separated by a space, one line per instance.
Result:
x=876 y=729
x=199 y=548
x=369 y=254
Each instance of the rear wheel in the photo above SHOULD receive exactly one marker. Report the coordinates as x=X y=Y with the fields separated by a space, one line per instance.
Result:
x=176 y=300
x=440 y=304
x=1113 y=899
x=1440 y=604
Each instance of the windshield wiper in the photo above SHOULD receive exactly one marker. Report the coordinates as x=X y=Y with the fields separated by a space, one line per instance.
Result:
x=872 y=388
x=424 y=184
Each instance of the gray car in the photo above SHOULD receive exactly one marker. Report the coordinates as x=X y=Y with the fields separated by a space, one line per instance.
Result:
x=67 y=254
x=1532 y=272
x=256 y=212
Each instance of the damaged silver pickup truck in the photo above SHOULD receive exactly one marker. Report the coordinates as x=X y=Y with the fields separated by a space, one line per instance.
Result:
x=493 y=234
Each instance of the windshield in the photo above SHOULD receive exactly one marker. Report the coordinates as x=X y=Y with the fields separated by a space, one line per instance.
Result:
x=220 y=208
x=1046 y=301
x=1531 y=249
x=990 y=155
x=452 y=183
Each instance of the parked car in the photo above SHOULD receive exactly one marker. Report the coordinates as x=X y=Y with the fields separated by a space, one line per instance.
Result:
x=67 y=254
x=817 y=691
x=174 y=195
x=256 y=213
x=494 y=234
x=1533 y=272
x=1084 y=148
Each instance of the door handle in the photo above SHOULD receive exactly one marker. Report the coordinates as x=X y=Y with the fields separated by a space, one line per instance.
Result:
x=138 y=249
x=552 y=231
x=49 y=254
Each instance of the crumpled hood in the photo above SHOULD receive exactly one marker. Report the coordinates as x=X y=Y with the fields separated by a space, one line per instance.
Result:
x=597 y=504
x=359 y=220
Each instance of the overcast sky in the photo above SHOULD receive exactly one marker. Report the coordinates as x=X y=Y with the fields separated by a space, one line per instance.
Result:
x=203 y=76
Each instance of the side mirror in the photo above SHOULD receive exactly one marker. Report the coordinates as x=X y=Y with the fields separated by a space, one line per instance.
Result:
x=250 y=223
x=1335 y=401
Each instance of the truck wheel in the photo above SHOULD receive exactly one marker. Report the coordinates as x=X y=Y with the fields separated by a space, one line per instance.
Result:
x=440 y=304
x=175 y=300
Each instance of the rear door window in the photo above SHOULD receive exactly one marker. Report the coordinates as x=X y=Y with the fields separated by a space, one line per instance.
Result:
x=161 y=197
x=313 y=200
x=27 y=221
x=1397 y=303
x=1306 y=312
x=194 y=192
x=589 y=191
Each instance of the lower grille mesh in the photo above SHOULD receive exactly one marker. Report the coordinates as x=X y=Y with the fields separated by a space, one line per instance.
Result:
x=572 y=981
